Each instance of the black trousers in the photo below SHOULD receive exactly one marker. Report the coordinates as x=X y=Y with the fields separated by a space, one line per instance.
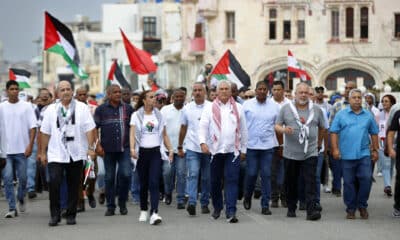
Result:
x=293 y=169
x=73 y=171
x=397 y=182
x=277 y=189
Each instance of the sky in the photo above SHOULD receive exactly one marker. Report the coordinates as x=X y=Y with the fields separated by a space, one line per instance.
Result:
x=22 y=22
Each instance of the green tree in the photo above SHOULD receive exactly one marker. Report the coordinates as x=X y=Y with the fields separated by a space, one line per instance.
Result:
x=393 y=83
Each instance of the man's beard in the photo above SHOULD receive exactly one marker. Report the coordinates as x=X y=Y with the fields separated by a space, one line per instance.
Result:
x=300 y=102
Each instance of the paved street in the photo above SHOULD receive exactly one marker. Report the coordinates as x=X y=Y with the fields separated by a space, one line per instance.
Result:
x=178 y=225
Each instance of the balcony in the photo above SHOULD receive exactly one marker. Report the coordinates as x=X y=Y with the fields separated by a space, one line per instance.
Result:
x=208 y=8
x=197 y=46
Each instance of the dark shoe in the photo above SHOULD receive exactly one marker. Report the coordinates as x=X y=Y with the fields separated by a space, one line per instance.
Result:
x=284 y=203
x=216 y=214
x=318 y=207
x=350 y=215
x=180 y=206
x=64 y=213
x=314 y=215
x=336 y=192
x=81 y=207
x=388 y=191
x=274 y=204
x=71 y=221
x=161 y=197
x=363 y=213
x=302 y=206
x=92 y=201
x=205 y=210
x=265 y=211
x=232 y=219
x=291 y=214
x=191 y=209
x=257 y=194
x=123 y=210
x=168 y=199
x=247 y=203
x=54 y=221
x=240 y=195
x=32 y=195
x=110 y=212
x=102 y=198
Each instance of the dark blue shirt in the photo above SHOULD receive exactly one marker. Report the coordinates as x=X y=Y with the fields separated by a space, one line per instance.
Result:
x=113 y=123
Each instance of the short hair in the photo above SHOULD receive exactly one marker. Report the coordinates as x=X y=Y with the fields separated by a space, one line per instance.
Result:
x=58 y=84
x=301 y=84
x=81 y=89
x=392 y=99
x=262 y=82
x=199 y=83
x=355 y=90
x=278 y=82
x=110 y=87
x=224 y=81
x=11 y=83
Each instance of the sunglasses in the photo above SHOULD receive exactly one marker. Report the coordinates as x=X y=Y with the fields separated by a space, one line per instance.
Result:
x=248 y=97
x=319 y=89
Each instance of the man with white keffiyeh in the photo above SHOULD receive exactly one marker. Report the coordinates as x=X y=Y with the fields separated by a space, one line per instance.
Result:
x=302 y=123
x=224 y=121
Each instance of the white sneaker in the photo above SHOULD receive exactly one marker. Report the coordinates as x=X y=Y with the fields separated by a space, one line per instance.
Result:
x=22 y=206
x=326 y=189
x=379 y=174
x=11 y=214
x=143 y=216
x=155 y=219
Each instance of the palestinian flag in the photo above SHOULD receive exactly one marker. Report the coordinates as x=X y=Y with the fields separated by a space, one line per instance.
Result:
x=140 y=60
x=297 y=68
x=115 y=76
x=230 y=69
x=59 y=39
x=21 y=76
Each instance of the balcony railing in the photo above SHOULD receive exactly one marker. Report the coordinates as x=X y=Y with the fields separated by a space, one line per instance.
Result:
x=208 y=8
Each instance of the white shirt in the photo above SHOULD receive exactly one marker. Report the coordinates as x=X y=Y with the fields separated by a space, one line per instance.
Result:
x=77 y=148
x=226 y=140
x=150 y=130
x=17 y=119
x=172 y=117
x=191 y=115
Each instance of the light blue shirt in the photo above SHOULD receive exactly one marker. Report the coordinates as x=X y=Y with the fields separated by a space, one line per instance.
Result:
x=354 y=130
x=260 y=120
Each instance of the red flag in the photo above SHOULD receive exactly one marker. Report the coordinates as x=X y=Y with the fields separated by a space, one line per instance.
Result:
x=140 y=60
x=297 y=68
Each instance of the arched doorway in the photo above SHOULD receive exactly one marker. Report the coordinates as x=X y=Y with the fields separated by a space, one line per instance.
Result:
x=333 y=80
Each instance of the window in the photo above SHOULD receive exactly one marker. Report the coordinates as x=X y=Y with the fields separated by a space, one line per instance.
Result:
x=301 y=29
x=335 y=24
x=272 y=24
x=198 y=33
x=286 y=30
x=230 y=25
x=149 y=27
x=397 y=25
x=349 y=22
x=364 y=23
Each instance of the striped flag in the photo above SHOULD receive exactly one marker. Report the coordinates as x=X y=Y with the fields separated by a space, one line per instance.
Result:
x=230 y=69
x=59 y=39
x=115 y=76
x=21 y=76
x=297 y=68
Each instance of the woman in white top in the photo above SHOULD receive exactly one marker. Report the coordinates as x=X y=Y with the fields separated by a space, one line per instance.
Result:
x=147 y=137
x=386 y=163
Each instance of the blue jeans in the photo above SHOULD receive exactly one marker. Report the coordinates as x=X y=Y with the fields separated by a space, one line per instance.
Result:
x=124 y=177
x=135 y=186
x=31 y=170
x=225 y=166
x=356 y=183
x=387 y=165
x=175 y=169
x=17 y=161
x=259 y=160
x=336 y=168
x=198 y=162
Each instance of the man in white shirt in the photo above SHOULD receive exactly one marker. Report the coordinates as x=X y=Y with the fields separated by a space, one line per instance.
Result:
x=18 y=127
x=172 y=114
x=67 y=134
x=224 y=122
x=196 y=161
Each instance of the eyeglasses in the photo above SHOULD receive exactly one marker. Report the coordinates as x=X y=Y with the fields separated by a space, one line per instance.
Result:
x=319 y=89
x=248 y=97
